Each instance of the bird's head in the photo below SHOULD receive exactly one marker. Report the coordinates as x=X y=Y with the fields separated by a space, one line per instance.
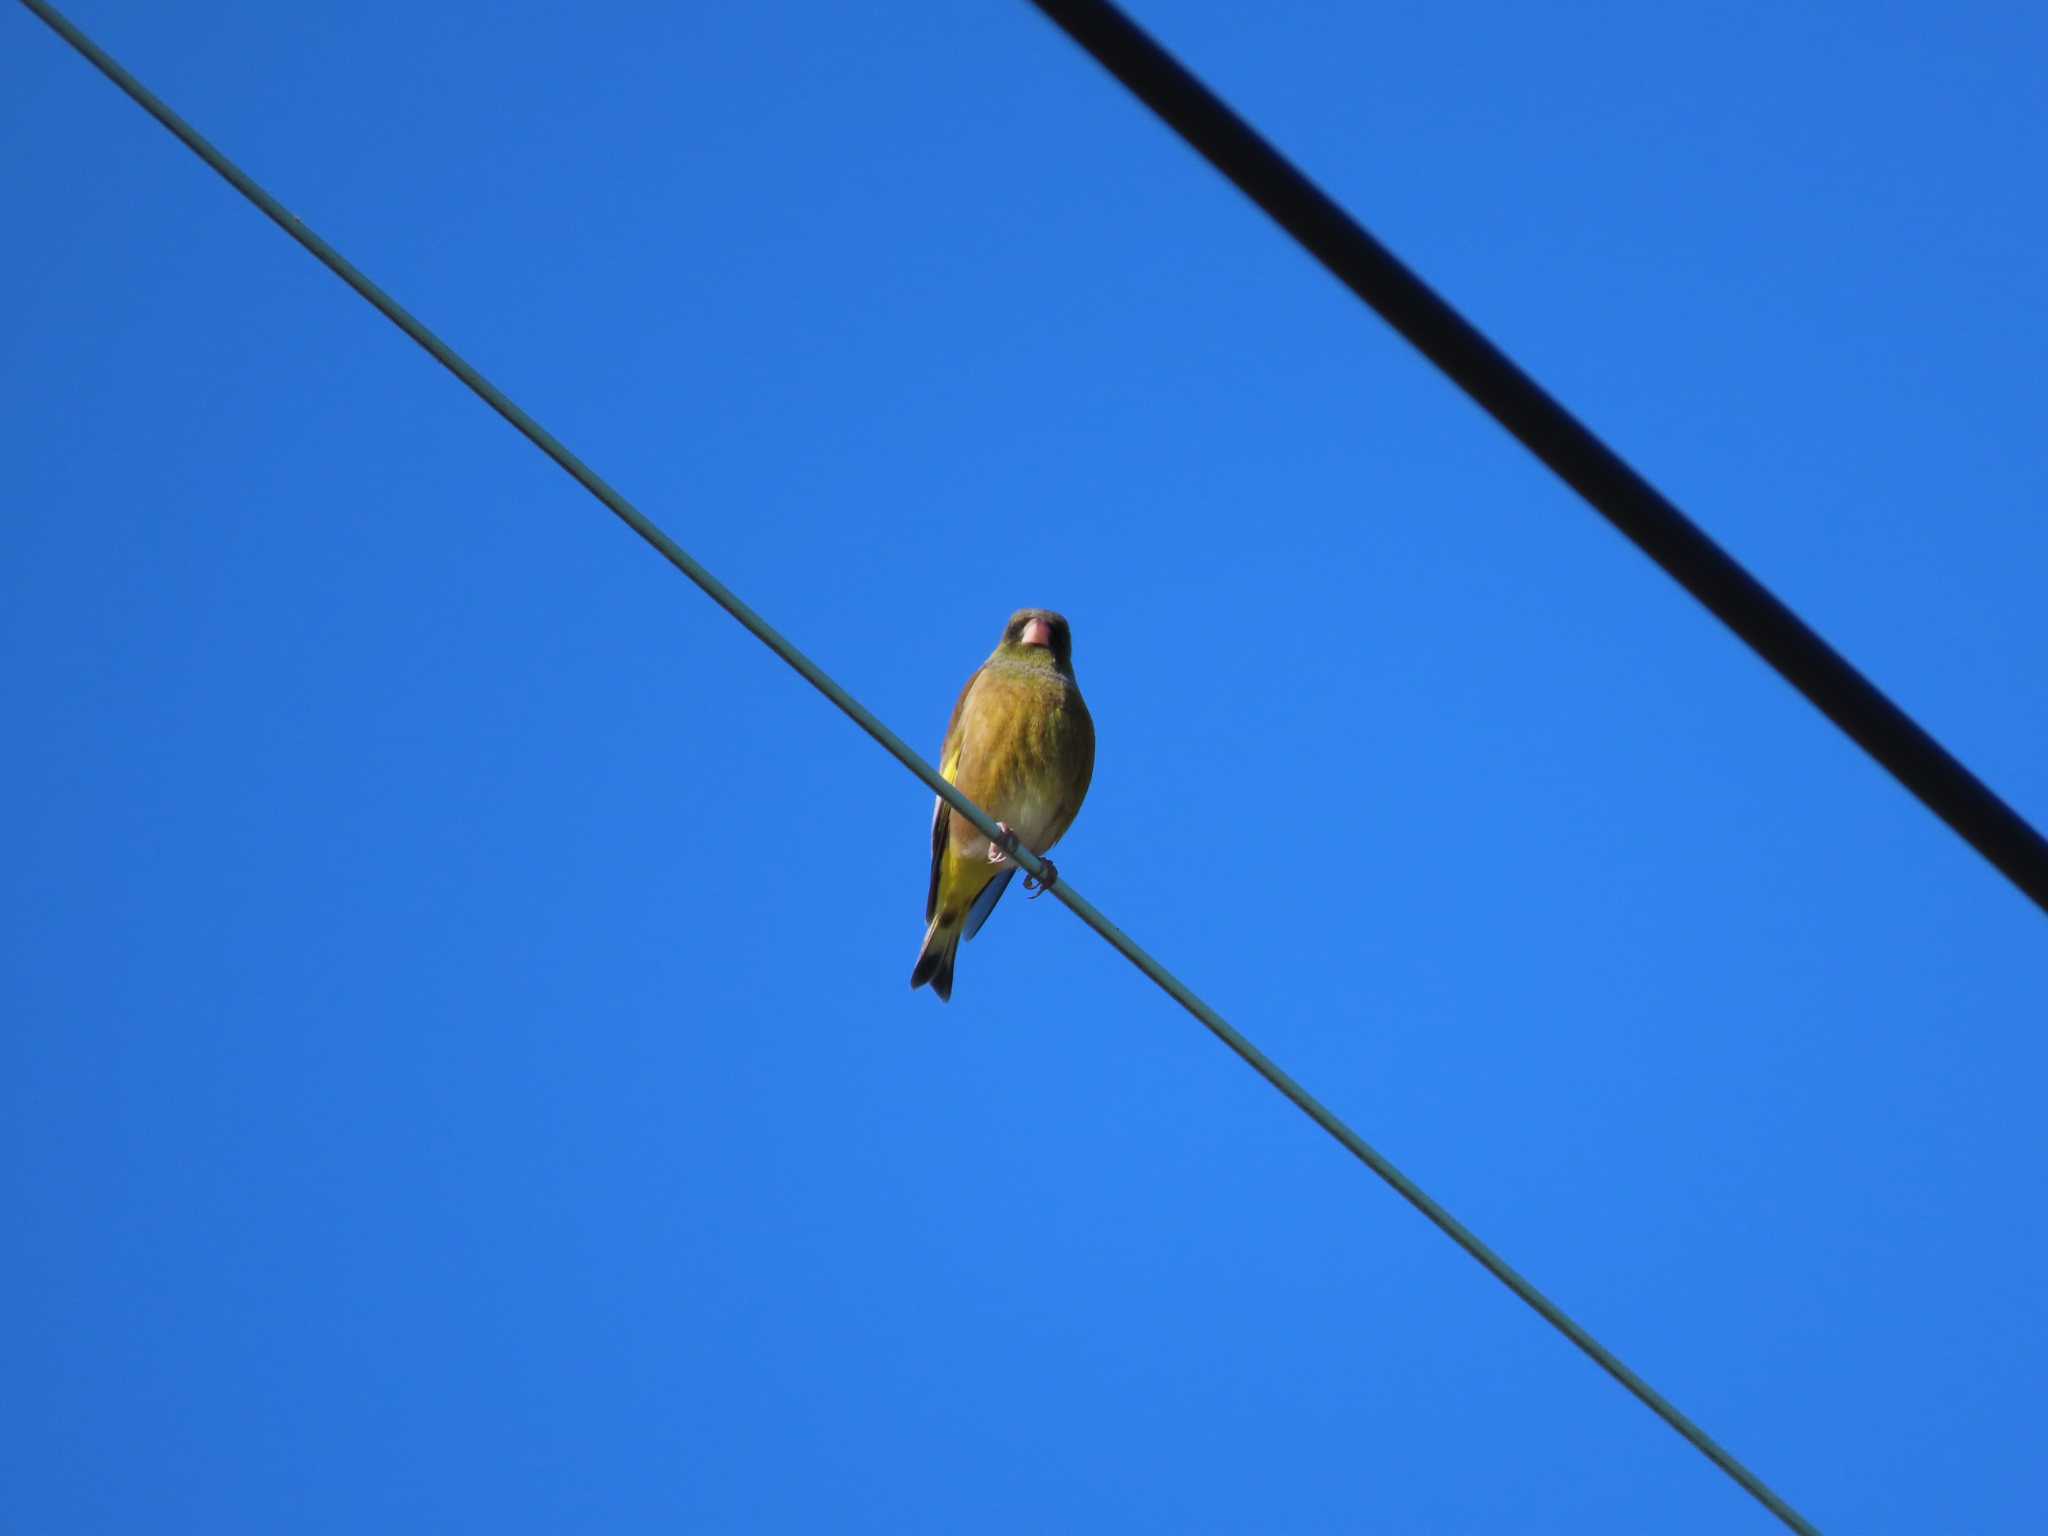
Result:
x=1038 y=637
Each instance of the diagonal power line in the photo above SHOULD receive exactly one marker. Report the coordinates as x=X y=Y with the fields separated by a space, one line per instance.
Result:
x=719 y=593
x=1585 y=463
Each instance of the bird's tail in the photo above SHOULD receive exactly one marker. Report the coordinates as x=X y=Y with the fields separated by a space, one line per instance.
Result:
x=935 y=960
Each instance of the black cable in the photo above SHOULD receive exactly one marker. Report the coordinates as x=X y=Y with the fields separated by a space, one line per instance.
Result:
x=1559 y=439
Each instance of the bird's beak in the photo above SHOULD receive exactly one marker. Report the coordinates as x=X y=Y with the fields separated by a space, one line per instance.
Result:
x=1036 y=632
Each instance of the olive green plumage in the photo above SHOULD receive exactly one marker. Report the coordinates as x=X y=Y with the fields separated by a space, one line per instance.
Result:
x=1021 y=746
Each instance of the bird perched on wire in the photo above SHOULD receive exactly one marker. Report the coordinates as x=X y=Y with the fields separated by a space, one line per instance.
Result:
x=1021 y=746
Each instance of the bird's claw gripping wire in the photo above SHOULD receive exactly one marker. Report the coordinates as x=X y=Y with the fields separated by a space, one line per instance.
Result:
x=1000 y=848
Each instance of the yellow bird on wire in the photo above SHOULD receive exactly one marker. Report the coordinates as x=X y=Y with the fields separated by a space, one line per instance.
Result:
x=1021 y=746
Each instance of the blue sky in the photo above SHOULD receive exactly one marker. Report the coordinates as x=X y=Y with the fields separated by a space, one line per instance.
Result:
x=459 y=1071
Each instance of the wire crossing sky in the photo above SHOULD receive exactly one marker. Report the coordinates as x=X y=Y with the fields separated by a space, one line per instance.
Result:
x=457 y=1023
x=812 y=674
x=1588 y=465
x=568 y=462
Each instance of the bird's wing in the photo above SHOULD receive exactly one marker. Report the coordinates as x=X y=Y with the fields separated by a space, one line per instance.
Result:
x=985 y=903
x=942 y=821
x=942 y=813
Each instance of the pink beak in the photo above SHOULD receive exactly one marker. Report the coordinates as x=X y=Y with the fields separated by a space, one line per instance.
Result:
x=1037 y=632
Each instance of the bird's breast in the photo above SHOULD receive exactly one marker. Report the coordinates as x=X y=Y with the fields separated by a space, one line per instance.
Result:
x=1017 y=757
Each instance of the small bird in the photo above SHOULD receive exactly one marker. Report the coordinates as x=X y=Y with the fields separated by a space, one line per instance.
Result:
x=1021 y=746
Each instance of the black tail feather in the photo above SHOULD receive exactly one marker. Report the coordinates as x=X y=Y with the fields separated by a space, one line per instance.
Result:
x=935 y=964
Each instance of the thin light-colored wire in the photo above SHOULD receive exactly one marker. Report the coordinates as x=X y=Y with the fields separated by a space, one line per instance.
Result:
x=719 y=593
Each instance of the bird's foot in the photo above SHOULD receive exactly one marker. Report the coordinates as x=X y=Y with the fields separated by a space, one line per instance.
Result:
x=1038 y=885
x=999 y=849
